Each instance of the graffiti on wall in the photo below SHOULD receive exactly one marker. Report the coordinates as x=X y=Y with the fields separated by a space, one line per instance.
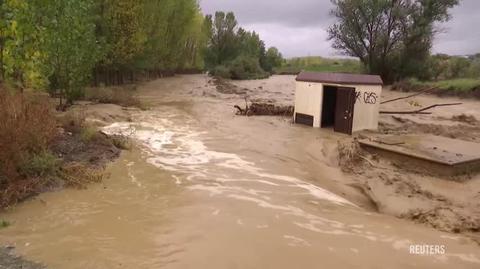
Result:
x=369 y=98
x=358 y=96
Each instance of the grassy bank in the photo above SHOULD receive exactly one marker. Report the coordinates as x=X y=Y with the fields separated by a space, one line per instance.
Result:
x=462 y=87
x=41 y=149
x=320 y=64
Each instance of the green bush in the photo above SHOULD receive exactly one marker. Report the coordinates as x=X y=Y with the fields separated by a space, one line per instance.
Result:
x=463 y=87
x=88 y=133
x=221 y=71
x=4 y=224
x=320 y=64
x=40 y=165
x=461 y=84
x=27 y=126
x=244 y=67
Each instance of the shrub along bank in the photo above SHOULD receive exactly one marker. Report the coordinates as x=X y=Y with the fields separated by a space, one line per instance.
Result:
x=40 y=151
x=294 y=66
x=462 y=87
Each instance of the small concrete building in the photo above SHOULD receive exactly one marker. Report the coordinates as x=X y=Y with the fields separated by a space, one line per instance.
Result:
x=346 y=102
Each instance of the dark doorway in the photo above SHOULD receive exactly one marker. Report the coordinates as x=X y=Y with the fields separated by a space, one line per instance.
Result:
x=344 y=110
x=329 y=106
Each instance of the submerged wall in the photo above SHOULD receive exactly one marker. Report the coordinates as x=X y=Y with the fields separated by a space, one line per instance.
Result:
x=308 y=100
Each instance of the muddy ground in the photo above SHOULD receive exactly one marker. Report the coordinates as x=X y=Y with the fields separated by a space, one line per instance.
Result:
x=448 y=204
x=99 y=149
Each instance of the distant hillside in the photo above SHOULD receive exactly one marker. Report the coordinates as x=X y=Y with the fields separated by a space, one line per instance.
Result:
x=319 y=64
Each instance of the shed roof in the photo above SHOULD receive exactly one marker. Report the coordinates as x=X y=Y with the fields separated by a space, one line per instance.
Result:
x=340 y=78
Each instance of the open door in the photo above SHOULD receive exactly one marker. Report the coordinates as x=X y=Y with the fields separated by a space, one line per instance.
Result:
x=344 y=110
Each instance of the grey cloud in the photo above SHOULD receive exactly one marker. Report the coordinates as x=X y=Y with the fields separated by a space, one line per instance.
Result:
x=461 y=35
x=294 y=13
x=298 y=27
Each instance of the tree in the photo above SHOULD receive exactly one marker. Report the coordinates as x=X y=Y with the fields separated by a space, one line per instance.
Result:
x=50 y=44
x=148 y=36
x=458 y=67
x=246 y=67
x=3 y=37
x=68 y=45
x=223 y=39
x=438 y=66
x=122 y=30
x=234 y=52
x=21 y=37
x=53 y=44
x=250 y=44
x=273 y=59
x=121 y=37
x=475 y=67
x=390 y=37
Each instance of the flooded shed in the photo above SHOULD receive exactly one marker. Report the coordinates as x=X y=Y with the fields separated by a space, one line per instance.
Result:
x=346 y=102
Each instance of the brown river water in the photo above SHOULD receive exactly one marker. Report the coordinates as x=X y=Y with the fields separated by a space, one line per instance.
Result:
x=204 y=188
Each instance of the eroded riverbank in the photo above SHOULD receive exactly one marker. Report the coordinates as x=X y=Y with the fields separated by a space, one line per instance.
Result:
x=204 y=188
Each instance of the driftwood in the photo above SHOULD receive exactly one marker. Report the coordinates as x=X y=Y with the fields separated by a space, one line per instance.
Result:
x=410 y=96
x=419 y=111
x=264 y=109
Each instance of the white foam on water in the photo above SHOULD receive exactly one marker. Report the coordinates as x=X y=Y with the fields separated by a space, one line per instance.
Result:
x=178 y=181
x=133 y=178
x=180 y=149
x=217 y=189
x=354 y=250
x=297 y=241
x=472 y=258
x=171 y=142
x=402 y=244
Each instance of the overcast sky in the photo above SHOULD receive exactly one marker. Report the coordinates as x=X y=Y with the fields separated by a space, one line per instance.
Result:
x=298 y=27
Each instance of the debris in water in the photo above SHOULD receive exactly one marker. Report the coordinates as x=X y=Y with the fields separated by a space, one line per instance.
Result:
x=469 y=119
x=260 y=108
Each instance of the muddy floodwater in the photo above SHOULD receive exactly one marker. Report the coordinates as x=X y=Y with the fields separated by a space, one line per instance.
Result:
x=204 y=188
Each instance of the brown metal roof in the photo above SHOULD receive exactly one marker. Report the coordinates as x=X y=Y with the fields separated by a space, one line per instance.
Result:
x=340 y=78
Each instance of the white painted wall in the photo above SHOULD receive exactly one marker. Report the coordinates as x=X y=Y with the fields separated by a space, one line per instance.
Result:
x=367 y=107
x=309 y=99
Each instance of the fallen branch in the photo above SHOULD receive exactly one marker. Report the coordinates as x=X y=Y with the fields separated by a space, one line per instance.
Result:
x=410 y=96
x=240 y=110
x=366 y=159
x=420 y=111
x=406 y=112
